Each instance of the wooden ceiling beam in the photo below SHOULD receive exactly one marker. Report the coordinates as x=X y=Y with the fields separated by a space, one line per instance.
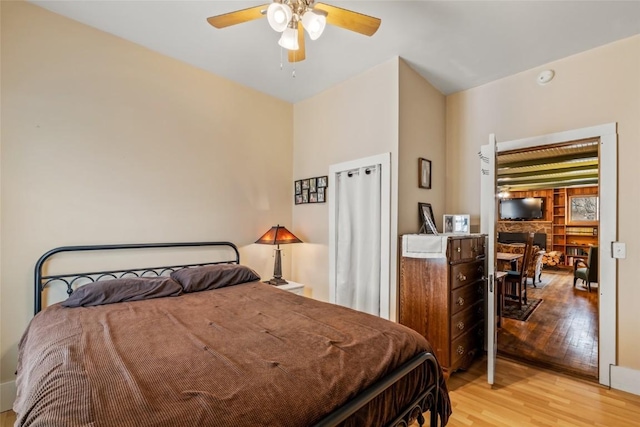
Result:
x=548 y=161
x=568 y=168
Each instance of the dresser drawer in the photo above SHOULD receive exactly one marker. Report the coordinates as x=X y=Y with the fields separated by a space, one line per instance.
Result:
x=466 y=249
x=466 y=345
x=465 y=296
x=480 y=246
x=467 y=319
x=463 y=274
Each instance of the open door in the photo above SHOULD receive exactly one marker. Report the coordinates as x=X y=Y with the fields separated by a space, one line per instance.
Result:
x=488 y=207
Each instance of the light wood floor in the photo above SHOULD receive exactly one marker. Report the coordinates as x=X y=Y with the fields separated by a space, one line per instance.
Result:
x=562 y=333
x=7 y=419
x=525 y=396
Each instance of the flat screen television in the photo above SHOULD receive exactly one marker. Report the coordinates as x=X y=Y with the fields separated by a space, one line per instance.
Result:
x=522 y=209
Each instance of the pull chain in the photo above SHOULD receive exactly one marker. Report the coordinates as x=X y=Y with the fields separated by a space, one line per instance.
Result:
x=293 y=73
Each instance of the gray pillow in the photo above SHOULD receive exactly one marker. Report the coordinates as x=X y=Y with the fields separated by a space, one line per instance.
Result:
x=213 y=276
x=125 y=289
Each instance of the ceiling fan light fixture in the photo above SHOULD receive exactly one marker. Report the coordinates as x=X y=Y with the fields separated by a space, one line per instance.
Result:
x=289 y=39
x=314 y=23
x=279 y=15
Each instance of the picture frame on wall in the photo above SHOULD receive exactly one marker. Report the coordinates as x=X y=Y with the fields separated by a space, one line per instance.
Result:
x=321 y=195
x=311 y=190
x=424 y=173
x=427 y=220
x=583 y=209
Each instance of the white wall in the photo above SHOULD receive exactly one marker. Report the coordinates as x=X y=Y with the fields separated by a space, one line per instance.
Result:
x=104 y=141
x=592 y=88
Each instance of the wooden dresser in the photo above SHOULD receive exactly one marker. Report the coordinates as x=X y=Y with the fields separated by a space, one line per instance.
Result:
x=442 y=287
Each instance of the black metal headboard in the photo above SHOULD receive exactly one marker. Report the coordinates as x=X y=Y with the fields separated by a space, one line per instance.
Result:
x=70 y=278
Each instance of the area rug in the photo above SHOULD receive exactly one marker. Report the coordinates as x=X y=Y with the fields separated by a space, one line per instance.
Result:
x=512 y=312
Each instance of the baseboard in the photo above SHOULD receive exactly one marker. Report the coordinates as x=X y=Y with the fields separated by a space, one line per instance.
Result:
x=7 y=395
x=625 y=379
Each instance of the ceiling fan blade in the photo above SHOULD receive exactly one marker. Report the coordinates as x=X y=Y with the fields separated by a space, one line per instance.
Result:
x=237 y=17
x=349 y=20
x=298 y=55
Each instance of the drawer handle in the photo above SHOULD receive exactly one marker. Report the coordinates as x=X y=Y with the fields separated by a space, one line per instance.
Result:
x=460 y=325
x=462 y=277
x=480 y=310
x=481 y=332
x=473 y=249
x=460 y=350
x=479 y=290
x=458 y=249
x=460 y=301
x=481 y=269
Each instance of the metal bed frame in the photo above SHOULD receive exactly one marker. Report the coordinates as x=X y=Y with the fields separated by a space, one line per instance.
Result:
x=426 y=401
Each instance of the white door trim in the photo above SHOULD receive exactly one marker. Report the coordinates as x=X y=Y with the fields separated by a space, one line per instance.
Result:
x=488 y=203
x=384 y=160
x=608 y=193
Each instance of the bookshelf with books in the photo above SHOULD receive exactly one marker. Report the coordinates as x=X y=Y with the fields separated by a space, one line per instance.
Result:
x=572 y=239
x=558 y=222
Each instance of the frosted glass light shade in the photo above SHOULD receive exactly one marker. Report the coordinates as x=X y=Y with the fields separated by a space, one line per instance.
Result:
x=314 y=24
x=289 y=39
x=279 y=15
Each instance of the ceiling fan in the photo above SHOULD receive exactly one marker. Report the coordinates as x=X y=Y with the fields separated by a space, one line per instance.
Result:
x=290 y=17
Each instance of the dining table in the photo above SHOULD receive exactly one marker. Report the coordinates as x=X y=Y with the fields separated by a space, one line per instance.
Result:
x=507 y=261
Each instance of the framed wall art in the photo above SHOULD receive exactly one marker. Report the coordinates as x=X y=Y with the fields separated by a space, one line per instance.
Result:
x=583 y=209
x=311 y=190
x=424 y=173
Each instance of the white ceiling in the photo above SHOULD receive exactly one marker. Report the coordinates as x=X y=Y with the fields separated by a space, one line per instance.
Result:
x=456 y=45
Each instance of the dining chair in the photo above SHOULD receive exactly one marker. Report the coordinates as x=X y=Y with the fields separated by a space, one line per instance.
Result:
x=587 y=271
x=516 y=280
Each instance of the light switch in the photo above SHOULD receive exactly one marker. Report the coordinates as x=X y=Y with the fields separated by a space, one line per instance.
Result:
x=619 y=250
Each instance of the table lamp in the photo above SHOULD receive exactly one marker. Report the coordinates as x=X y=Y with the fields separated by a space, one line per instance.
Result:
x=277 y=235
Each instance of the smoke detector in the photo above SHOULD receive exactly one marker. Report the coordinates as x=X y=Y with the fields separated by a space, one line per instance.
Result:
x=545 y=77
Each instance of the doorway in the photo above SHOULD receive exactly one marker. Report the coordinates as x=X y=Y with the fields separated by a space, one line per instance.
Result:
x=538 y=189
x=607 y=231
x=353 y=256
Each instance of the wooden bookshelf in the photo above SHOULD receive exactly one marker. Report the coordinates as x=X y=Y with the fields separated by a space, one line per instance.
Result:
x=558 y=225
x=573 y=240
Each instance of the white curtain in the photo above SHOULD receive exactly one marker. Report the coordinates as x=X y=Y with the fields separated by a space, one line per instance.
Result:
x=358 y=239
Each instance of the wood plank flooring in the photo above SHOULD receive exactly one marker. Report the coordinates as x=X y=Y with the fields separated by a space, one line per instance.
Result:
x=525 y=396
x=562 y=333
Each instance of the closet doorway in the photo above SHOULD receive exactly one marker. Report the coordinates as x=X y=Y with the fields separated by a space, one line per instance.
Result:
x=359 y=234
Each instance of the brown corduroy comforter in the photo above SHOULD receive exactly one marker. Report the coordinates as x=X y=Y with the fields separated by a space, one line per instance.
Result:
x=248 y=354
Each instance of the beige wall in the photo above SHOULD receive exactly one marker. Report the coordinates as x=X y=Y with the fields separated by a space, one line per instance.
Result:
x=422 y=134
x=592 y=88
x=355 y=119
x=389 y=108
x=104 y=141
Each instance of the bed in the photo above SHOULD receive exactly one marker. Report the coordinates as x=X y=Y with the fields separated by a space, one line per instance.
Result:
x=238 y=353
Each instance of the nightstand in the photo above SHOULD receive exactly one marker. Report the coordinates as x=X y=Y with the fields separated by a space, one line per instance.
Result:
x=296 y=288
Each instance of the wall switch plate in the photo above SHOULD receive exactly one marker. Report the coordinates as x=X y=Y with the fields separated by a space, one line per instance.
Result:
x=619 y=250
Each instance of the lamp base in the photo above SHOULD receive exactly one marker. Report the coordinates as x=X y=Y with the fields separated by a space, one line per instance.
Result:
x=276 y=281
